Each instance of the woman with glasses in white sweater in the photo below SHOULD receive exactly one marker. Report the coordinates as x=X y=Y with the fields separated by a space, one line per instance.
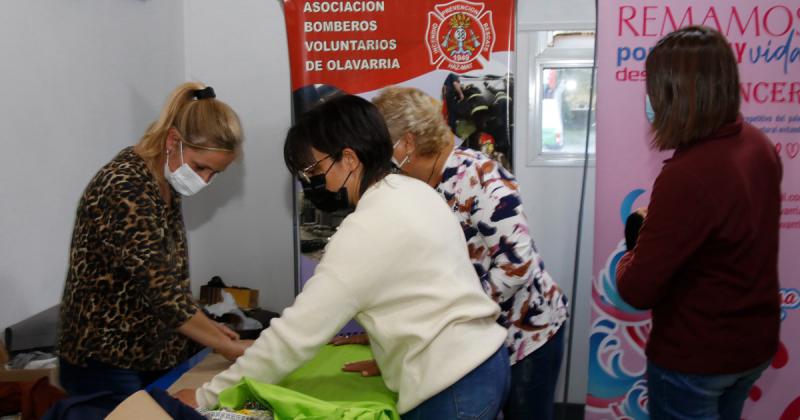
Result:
x=398 y=264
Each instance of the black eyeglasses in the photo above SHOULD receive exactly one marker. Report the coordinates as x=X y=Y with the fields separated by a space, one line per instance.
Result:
x=304 y=174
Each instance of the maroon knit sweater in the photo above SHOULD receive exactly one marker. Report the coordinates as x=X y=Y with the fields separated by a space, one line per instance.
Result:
x=706 y=260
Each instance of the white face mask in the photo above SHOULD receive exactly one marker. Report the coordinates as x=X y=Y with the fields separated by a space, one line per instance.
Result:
x=184 y=179
x=399 y=165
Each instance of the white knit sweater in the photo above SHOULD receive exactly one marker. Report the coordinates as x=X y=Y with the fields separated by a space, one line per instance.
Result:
x=399 y=266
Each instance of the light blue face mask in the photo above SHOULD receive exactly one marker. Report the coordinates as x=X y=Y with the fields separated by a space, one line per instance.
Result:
x=648 y=109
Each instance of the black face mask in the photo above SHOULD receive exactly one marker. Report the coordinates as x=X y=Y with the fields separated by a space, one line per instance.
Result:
x=321 y=198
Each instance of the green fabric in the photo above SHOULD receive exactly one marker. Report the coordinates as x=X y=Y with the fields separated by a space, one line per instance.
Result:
x=320 y=390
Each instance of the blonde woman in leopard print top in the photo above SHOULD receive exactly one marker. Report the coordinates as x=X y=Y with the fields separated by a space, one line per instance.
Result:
x=127 y=313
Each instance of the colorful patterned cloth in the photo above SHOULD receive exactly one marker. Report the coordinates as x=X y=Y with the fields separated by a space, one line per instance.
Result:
x=485 y=198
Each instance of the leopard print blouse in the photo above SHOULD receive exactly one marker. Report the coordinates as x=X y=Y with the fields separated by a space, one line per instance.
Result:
x=127 y=287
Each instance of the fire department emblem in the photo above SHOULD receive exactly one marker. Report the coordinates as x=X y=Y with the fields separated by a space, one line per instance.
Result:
x=458 y=34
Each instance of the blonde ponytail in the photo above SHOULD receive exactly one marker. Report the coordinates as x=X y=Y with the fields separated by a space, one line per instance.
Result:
x=205 y=123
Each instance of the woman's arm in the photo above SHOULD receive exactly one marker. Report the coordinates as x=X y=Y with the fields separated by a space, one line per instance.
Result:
x=679 y=220
x=203 y=330
x=322 y=308
x=499 y=218
x=140 y=246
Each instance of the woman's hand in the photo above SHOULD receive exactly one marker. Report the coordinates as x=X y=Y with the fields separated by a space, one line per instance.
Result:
x=633 y=224
x=227 y=331
x=365 y=367
x=232 y=349
x=359 y=338
x=215 y=335
x=187 y=396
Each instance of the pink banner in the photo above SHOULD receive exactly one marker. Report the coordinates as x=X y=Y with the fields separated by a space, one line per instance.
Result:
x=765 y=37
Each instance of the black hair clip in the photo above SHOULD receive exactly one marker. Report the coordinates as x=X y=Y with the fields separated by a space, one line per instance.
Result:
x=207 y=93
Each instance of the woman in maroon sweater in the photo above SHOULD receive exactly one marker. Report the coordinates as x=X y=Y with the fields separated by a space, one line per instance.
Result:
x=706 y=257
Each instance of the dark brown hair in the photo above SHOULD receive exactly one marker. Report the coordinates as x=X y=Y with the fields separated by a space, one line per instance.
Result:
x=346 y=121
x=693 y=84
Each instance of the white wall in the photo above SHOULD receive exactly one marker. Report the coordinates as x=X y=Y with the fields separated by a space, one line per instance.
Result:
x=551 y=194
x=241 y=228
x=84 y=80
x=554 y=15
x=79 y=80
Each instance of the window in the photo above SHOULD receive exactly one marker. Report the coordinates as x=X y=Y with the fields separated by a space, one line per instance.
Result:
x=560 y=90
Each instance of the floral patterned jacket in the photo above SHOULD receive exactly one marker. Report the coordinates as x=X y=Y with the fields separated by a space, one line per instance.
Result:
x=486 y=200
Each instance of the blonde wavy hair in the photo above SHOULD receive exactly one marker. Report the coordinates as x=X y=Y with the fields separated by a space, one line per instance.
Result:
x=202 y=123
x=410 y=110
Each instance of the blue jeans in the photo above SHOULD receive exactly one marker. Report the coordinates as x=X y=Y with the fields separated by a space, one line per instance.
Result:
x=96 y=377
x=478 y=395
x=673 y=395
x=533 y=382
